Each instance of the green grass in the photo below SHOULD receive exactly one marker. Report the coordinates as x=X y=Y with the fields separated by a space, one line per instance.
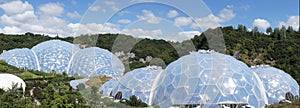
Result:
x=27 y=75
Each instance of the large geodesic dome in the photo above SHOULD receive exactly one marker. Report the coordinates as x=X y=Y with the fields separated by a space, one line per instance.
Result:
x=276 y=82
x=94 y=62
x=61 y=56
x=54 y=55
x=7 y=81
x=208 y=79
x=137 y=82
x=21 y=58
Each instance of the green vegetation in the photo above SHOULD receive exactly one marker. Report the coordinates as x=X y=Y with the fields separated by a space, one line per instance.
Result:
x=135 y=102
x=45 y=90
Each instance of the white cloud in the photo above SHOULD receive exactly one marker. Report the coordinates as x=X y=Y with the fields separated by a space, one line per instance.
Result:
x=212 y=21
x=51 y=9
x=11 y=30
x=172 y=13
x=74 y=14
x=93 y=28
x=124 y=21
x=180 y=36
x=94 y=8
x=183 y=21
x=141 y=33
x=47 y=22
x=245 y=7
x=123 y=12
x=149 y=17
x=19 y=19
x=209 y=21
x=226 y=14
x=16 y=7
x=112 y=4
x=3 y=1
x=109 y=3
x=73 y=2
x=261 y=24
x=292 y=21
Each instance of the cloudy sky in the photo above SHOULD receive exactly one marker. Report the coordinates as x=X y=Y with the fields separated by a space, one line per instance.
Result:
x=160 y=19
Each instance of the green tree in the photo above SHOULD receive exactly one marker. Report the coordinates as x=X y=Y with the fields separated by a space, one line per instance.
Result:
x=14 y=98
x=80 y=86
x=255 y=31
x=277 y=34
x=269 y=30
x=135 y=102
x=290 y=29
x=283 y=32
x=242 y=28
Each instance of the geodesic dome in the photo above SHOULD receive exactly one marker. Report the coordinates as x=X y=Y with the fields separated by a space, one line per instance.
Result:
x=94 y=62
x=7 y=81
x=108 y=86
x=54 y=55
x=137 y=82
x=21 y=58
x=207 y=78
x=276 y=82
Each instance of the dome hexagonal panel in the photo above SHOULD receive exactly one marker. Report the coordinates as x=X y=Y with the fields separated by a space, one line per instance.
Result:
x=21 y=58
x=138 y=82
x=108 y=87
x=54 y=55
x=208 y=79
x=276 y=82
x=95 y=62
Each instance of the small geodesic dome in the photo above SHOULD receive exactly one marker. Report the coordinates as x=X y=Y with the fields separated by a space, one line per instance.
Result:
x=207 y=79
x=54 y=55
x=137 y=82
x=7 y=81
x=276 y=82
x=96 y=62
x=107 y=87
x=21 y=58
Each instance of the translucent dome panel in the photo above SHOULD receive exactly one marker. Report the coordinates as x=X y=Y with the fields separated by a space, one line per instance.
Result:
x=138 y=82
x=54 y=55
x=7 y=81
x=276 y=82
x=21 y=58
x=107 y=87
x=95 y=62
x=207 y=78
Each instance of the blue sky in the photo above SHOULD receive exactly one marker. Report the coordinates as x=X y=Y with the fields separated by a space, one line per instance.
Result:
x=174 y=20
